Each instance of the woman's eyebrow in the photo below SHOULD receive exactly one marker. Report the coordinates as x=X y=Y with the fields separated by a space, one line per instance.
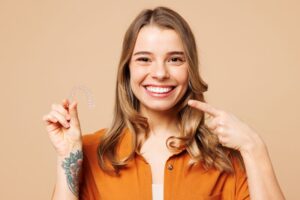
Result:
x=169 y=53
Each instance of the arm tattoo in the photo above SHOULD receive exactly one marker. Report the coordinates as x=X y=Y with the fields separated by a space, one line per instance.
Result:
x=72 y=166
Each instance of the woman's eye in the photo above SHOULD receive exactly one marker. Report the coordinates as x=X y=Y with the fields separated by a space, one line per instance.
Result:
x=143 y=59
x=176 y=59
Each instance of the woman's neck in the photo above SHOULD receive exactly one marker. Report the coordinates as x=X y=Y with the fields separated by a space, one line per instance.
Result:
x=161 y=123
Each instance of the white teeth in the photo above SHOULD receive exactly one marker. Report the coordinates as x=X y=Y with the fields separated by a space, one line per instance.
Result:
x=159 y=89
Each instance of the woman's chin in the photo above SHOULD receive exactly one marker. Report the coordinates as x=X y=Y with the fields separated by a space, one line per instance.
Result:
x=159 y=108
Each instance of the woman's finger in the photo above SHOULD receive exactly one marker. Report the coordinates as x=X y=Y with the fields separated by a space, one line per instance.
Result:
x=61 y=119
x=211 y=124
x=51 y=127
x=59 y=108
x=73 y=111
x=222 y=140
x=207 y=117
x=49 y=119
x=214 y=123
x=66 y=103
x=204 y=107
x=220 y=131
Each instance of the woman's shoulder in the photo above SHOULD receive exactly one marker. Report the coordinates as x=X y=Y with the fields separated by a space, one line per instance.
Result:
x=93 y=138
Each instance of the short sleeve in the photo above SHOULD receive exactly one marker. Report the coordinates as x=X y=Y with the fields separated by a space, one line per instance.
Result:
x=88 y=189
x=241 y=183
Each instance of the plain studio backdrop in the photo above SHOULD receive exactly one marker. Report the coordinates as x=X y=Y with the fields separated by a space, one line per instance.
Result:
x=249 y=55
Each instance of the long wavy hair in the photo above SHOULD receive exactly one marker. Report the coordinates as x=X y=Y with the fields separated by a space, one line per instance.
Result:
x=200 y=143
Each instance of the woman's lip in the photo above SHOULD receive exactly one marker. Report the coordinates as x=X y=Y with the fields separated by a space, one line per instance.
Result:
x=162 y=86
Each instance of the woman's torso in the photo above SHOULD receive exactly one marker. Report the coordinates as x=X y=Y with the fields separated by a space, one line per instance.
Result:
x=135 y=181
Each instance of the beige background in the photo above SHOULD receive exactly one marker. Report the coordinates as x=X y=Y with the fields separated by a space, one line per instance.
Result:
x=249 y=53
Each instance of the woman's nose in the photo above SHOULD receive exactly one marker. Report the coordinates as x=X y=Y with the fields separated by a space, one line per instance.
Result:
x=160 y=71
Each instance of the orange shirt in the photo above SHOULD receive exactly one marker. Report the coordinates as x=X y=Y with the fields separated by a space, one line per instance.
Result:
x=135 y=182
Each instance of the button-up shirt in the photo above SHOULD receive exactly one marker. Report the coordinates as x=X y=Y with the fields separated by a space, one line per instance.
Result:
x=181 y=182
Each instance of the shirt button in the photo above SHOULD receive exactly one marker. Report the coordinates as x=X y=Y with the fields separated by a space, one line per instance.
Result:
x=170 y=167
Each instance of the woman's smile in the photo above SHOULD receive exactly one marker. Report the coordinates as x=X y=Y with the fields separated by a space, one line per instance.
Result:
x=159 y=91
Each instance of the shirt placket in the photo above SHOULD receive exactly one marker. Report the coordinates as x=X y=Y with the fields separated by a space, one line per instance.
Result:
x=169 y=178
x=145 y=176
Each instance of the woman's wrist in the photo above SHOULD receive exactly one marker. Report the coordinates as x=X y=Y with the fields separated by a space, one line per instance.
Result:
x=71 y=148
x=76 y=151
x=254 y=148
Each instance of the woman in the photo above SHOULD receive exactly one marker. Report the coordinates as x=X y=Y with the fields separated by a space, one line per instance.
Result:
x=165 y=142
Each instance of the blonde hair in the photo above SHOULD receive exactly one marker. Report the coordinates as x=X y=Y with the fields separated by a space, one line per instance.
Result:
x=200 y=143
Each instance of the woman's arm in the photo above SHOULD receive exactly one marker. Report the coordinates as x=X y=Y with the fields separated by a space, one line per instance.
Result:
x=63 y=127
x=235 y=134
x=262 y=181
x=68 y=176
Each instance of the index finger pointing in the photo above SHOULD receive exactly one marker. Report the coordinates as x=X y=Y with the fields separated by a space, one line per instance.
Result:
x=204 y=107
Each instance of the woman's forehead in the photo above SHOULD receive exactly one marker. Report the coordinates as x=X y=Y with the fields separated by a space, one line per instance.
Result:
x=158 y=40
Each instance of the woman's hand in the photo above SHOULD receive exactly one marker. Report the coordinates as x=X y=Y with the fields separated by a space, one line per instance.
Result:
x=63 y=127
x=234 y=133
x=231 y=131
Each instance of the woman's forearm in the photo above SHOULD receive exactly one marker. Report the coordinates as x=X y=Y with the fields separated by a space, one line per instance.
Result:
x=262 y=181
x=68 y=176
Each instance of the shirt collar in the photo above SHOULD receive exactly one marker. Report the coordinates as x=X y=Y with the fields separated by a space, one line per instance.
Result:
x=126 y=144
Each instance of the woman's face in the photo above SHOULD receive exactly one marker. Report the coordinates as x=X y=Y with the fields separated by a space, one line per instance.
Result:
x=158 y=69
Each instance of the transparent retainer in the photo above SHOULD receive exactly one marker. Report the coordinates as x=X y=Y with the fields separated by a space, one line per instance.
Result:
x=87 y=93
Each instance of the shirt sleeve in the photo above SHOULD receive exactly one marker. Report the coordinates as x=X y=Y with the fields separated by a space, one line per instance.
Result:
x=88 y=189
x=241 y=183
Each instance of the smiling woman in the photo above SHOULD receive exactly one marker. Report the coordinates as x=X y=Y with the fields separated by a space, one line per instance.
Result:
x=160 y=145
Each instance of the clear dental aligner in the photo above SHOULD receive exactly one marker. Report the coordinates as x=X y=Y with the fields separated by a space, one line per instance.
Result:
x=87 y=93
